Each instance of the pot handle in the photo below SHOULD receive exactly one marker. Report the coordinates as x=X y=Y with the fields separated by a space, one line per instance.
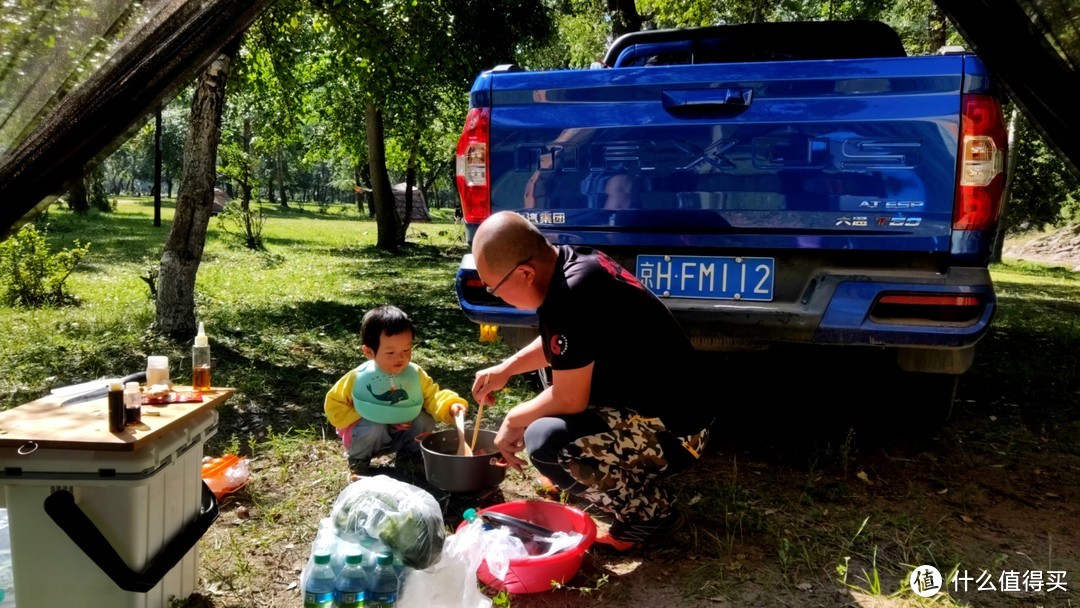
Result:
x=498 y=461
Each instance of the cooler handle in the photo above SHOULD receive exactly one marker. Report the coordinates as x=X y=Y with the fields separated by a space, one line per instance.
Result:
x=61 y=507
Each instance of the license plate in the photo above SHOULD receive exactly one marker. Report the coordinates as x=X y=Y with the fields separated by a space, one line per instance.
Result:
x=709 y=277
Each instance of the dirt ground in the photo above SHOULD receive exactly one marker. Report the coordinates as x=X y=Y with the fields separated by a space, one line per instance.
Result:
x=801 y=498
x=778 y=505
x=776 y=508
x=1058 y=248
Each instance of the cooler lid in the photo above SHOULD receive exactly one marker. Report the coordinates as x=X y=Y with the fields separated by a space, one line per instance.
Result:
x=46 y=425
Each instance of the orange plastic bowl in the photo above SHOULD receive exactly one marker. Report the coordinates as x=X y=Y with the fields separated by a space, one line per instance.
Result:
x=536 y=574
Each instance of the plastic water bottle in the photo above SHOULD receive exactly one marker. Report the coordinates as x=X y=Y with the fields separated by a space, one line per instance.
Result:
x=351 y=584
x=319 y=590
x=384 y=583
x=7 y=582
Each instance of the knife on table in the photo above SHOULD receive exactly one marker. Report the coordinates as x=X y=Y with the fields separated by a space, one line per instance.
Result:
x=97 y=393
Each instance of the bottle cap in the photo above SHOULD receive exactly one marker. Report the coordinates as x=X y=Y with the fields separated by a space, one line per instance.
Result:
x=470 y=515
x=385 y=559
x=322 y=558
x=200 y=338
x=115 y=385
x=157 y=361
x=134 y=385
x=354 y=558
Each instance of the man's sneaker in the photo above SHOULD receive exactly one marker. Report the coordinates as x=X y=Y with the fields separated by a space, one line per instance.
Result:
x=545 y=487
x=630 y=535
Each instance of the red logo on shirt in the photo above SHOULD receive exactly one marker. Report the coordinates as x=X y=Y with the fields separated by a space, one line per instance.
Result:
x=617 y=271
x=558 y=344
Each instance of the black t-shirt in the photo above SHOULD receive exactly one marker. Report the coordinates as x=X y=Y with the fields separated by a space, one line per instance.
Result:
x=597 y=312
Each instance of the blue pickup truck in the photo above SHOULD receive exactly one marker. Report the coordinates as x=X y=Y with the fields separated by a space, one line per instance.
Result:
x=775 y=184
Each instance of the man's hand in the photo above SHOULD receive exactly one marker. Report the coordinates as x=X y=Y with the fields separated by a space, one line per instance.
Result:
x=486 y=383
x=509 y=441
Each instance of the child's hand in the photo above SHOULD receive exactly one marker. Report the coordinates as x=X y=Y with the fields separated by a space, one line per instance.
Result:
x=458 y=409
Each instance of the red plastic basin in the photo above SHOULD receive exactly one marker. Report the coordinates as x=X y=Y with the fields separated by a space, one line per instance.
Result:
x=535 y=574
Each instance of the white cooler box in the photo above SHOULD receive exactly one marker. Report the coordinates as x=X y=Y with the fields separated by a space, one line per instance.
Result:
x=109 y=528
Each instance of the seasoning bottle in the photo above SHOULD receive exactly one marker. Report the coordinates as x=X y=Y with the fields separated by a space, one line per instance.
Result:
x=132 y=403
x=157 y=370
x=116 y=406
x=200 y=362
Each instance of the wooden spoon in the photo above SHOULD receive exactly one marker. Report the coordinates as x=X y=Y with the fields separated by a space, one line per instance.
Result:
x=476 y=428
x=463 y=448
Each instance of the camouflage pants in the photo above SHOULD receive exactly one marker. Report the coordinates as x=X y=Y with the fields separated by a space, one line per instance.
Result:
x=617 y=461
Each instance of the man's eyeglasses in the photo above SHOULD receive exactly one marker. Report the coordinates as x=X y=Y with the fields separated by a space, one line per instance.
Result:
x=492 y=290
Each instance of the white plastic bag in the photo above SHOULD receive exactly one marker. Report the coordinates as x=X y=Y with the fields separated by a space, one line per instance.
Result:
x=499 y=548
x=451 y=581
x=404 y=517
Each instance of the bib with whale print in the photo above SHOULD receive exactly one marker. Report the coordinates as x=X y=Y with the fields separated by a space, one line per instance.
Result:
x=385 y=398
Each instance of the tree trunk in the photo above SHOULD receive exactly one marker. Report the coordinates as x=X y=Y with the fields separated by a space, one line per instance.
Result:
x=624 y=17
x=939 y=31
x=279 y=167
x=245 y=169
x=157 y=167
x=358 y=188
x=77 y=199
x=270 y=194
x=1010 y=163
x=386 y=217
x=369 y=194
x=410 y=179
x=194 y=202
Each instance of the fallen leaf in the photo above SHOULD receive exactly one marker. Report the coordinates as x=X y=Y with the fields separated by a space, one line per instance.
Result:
x=943 y=491
x=805 y=587
x=864 y=477
x=291 y=586
x=966 y=519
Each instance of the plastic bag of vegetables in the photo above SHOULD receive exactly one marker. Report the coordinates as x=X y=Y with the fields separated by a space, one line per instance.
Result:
x=405 y=517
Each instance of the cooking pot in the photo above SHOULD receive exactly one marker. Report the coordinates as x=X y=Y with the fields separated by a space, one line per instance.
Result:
x=446 y=470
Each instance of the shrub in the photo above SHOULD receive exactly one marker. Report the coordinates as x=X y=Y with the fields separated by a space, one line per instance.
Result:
x=35 y=276
x=244 y=225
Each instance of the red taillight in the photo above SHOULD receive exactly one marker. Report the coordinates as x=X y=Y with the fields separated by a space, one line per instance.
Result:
x=981 y=165
x=473 y=166
x=939 y=309
x=930 y=300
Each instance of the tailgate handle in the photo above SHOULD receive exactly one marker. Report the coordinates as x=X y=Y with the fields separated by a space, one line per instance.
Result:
x=722 y=101
x=61 y=507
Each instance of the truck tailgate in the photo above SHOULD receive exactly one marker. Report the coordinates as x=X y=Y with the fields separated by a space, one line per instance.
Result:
x=830 y=155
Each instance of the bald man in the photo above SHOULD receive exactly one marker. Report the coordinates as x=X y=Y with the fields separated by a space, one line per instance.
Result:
x=624 y=409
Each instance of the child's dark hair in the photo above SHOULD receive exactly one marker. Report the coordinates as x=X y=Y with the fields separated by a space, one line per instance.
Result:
x=389 y=319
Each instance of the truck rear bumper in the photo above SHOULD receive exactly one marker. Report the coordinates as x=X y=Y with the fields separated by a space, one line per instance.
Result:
x=949 y=310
